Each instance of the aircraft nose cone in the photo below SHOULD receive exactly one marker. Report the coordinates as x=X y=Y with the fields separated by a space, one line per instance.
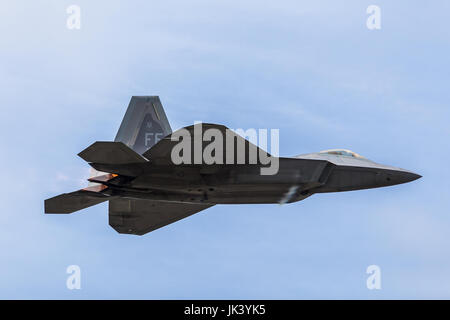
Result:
x=401 y=176
x=414 y=176
x=409 y=176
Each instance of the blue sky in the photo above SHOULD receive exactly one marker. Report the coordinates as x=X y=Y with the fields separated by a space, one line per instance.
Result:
x=311 y=69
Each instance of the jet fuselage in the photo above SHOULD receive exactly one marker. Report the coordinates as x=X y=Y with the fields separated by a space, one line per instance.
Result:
x=296 y=179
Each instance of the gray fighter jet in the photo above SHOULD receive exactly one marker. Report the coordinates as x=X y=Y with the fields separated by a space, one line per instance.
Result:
x=147 y=189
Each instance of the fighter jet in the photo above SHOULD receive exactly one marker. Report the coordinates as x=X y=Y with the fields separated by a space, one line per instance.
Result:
x=148 y=188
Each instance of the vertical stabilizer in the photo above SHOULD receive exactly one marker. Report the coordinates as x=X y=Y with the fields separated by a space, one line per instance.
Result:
x=144 y=124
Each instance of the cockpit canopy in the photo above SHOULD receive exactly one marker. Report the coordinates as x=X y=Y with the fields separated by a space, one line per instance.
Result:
x=343 y=152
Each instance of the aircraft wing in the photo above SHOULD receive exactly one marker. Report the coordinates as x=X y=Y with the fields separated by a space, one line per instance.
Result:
x=161 y=152
x=142 y=216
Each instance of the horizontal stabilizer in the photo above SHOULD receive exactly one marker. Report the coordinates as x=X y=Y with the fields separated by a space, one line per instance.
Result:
x=108 y=152
x=74 y=201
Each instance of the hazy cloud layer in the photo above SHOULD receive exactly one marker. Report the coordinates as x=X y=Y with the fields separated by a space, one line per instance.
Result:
x=312 y=70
